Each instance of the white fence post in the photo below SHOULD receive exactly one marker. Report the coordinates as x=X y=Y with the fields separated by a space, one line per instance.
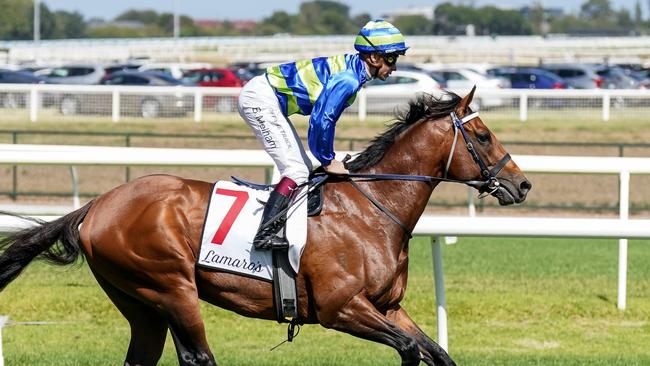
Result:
x=76 y=203
x=523 y=107
x=363 y=104
x=33 y=103
x=624 y=212
x=3 y=321
x=198 y=106
x=116 y=105
x=441 y=303
x=606 y=103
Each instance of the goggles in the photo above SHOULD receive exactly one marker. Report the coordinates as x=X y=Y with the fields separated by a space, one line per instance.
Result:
x=389 y=58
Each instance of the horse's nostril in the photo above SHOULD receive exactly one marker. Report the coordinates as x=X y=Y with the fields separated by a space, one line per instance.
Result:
x=525 y=186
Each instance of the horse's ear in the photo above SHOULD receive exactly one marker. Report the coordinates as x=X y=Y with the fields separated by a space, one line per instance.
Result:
x=464 y=103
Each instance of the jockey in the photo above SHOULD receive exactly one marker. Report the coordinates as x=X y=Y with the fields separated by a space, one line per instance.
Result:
x=322 y=88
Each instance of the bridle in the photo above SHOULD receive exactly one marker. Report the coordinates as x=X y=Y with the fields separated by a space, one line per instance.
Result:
x=491 y=183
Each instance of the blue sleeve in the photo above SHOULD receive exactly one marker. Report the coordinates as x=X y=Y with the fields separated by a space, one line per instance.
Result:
x=326 y=112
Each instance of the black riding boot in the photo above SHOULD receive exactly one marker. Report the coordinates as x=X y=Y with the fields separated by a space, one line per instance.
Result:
x=266 y=237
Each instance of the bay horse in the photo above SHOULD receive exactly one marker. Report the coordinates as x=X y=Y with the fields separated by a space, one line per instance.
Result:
x=141 y=242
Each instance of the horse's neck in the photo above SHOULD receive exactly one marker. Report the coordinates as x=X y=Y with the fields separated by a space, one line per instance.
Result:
x=416 y=152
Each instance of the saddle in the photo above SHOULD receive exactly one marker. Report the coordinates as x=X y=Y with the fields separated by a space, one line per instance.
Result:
x=285 y=292
x=314 y=198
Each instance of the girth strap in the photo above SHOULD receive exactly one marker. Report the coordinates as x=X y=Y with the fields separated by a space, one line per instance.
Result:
x=383 y=209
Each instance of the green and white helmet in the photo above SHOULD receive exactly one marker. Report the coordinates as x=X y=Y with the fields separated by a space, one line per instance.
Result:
x=380 y=36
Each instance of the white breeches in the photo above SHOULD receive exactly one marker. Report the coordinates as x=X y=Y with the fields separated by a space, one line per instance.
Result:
x=259 y=107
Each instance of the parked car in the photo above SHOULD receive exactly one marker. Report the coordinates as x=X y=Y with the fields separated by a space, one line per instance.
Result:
x=144 y=105
x=638 y=72
x=615 y=77
x=212 y=77
x=73 y=74
x=461 y=81
x=17 y=100
x=126 y=66
x=384 y=96
x=529 y=78
x=176 y=70
x=253 y=69
x=215 y=77
x=435 y=75
x=149 y=78
x=20 y=77
x=577 y=76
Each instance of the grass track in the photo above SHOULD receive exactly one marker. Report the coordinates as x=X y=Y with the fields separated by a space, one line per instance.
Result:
x=510 y=302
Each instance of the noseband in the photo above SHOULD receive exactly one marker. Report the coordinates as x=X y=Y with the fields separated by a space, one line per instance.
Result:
x=491 y=183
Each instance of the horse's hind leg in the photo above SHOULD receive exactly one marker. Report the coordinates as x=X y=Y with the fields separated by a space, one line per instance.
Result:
x=432 y=353
x=148 y=328
x=186 y=325
x=360 y=318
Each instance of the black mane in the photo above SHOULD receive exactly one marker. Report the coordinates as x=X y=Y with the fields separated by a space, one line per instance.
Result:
x=425 y=106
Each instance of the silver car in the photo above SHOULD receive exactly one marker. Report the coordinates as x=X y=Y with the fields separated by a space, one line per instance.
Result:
x=577 y=76
x=73 y=74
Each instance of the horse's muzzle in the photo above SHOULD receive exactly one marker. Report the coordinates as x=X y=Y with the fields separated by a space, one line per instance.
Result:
x=509 y=192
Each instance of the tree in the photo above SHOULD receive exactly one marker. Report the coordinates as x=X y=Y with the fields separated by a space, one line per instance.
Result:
x=452 y=19
x=16 y=19
x=413 y=24
x=143 y=16
x=278 y=22
x=69 y=25
x=596 y=10
x=360 y=20
x=323 y=17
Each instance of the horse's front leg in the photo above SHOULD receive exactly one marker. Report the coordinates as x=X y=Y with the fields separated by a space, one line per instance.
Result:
x=361 y=319
x=432 y=353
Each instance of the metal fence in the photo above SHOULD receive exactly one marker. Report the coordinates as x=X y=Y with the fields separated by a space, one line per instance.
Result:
x=66 y=102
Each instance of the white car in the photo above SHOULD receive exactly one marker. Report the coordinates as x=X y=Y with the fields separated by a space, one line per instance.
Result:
x=461 y=81
x=176 y=70
x=384 y=96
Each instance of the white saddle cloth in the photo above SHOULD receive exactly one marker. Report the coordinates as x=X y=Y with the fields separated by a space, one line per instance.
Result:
x=234 y=215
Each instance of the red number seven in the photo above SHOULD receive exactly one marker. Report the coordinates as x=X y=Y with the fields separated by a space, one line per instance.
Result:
x=240 y=200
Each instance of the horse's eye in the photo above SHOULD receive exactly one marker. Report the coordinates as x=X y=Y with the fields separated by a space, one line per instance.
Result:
x=483 y=138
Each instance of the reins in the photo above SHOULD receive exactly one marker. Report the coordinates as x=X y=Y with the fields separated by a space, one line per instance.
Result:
x=490 y=183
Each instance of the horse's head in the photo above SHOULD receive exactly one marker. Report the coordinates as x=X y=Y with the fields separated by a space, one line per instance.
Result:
x=477 y=155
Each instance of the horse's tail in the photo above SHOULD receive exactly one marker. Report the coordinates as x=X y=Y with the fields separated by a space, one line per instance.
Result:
x=20 y=248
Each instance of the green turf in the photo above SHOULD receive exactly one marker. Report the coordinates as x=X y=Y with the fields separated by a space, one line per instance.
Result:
x=510 y=302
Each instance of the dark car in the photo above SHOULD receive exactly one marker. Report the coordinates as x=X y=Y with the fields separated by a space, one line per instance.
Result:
x=20 y=77
x=113 y=68
x=18 y=99
x=144 y=105
x=529 y=78
x=143 y=78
